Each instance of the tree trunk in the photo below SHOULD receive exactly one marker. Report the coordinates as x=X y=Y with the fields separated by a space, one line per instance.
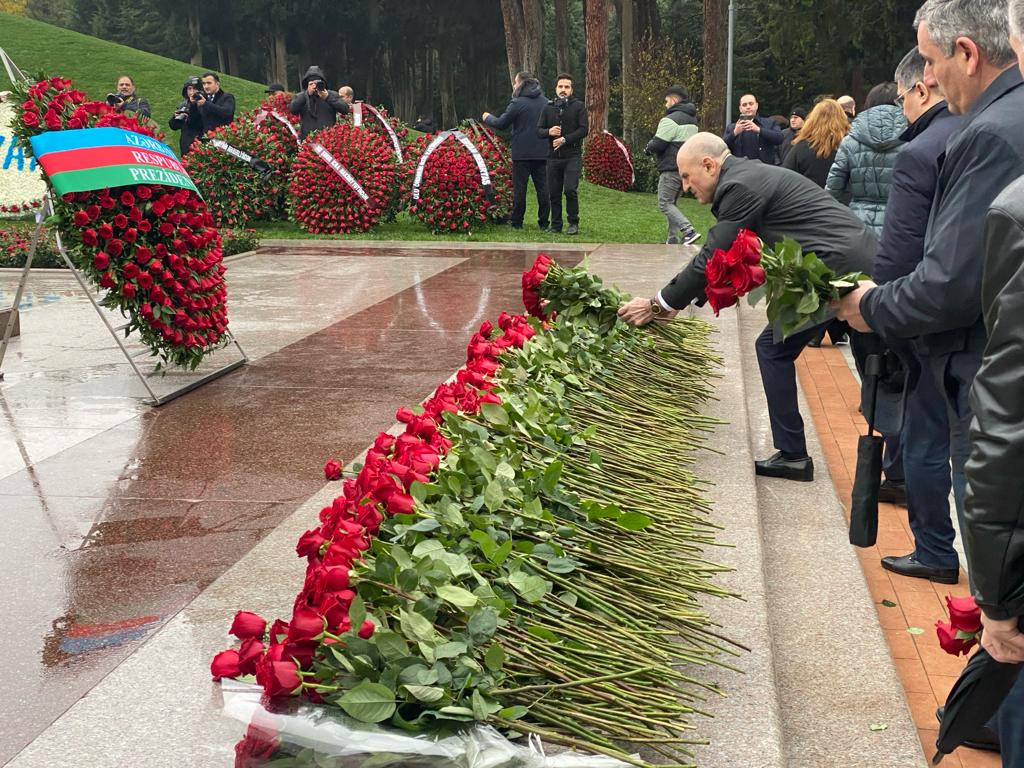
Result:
x=596 y=24
x=279 y=55
x=716 y=31
x=512 y=17
x=221 y=60
x=561 y=36
x=233 y=68
x=195 y=35
x=626 y=27
x=533 y=37
x=647 y=19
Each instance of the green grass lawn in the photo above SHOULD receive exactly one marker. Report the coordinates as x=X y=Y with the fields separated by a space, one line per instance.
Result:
x=606 y=216
x=94 y=65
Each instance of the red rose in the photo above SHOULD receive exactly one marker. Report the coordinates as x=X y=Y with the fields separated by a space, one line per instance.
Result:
x=964 y=614
x=247 y=624
x=101 y=261
x=81 y=218
x=106 y=231
x=720 y=297
x=226 y=664
x=120 y=221
x=249 y=654
x=130 y=270
x=127 y=198
x=278 y=678
x=748 y=246
x=89 y=237
x=145 y=280
x=256 y=748
x=306 y=624
x=332 y=469
x=949 y=641
x=115 y=247
x=367 y=629
x=128 y=291
x=93 y=211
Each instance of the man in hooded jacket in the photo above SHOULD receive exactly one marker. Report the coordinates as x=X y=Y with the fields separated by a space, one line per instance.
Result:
x=529 y=150
x=678 y=124
x=186 y=117
x=318 y=106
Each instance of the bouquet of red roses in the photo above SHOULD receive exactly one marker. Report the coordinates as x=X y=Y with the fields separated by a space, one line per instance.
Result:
x=799 y=286
x=963 y=631
x=606 y=162
x=153 y=248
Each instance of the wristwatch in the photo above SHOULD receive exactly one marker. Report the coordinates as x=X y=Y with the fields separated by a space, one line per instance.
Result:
x=656 y=308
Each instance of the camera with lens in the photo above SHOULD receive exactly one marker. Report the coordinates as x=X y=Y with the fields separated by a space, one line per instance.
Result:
x=114 y=99
x=197 y=95
x=321 y=86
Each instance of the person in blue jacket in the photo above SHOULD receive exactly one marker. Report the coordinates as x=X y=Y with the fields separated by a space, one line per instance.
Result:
x=753 y=136
x=529 y=151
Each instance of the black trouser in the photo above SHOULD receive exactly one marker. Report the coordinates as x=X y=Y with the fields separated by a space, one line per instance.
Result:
x=564 y=174
x=522 y=172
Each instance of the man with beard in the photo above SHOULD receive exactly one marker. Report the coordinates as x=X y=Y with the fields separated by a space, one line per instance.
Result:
x=564 y=123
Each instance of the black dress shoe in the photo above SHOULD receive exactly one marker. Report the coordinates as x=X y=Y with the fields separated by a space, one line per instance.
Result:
x=892 y=493
x=778 y=465
x=907 y=565
x=986 y=738
x=574 y=229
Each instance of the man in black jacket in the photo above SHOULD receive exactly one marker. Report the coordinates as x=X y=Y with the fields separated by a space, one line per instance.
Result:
x=529 y=151
x=678 y=124
x=753 y=136
x=186 y=117
x=216 y=107
x=318 y=105
x=564 y=123
x=774 y=203
x=926 y=433
x=939 y=303
x=796 y=122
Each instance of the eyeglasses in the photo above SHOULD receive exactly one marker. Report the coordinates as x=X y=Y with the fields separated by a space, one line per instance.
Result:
x=901 y=97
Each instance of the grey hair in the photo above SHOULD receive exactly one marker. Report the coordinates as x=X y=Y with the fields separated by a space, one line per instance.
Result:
x=986 y=22
x=1017 y=17
x=910 y=71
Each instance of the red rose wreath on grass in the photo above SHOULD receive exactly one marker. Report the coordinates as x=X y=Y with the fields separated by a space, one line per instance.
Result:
x=963 y=631
x=321 y=201
x=236 y=192
x=452 y=198
x=153 y=248
x=605 y=164
x=284 y=656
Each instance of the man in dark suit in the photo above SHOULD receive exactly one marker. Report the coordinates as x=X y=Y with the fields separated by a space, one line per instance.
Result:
x=216 y=107
x=939 y=303
x=753 y=136
x=775 y=203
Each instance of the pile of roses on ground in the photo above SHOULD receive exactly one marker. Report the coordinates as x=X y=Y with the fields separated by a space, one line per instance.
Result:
x=154 y=249
x=479 y=566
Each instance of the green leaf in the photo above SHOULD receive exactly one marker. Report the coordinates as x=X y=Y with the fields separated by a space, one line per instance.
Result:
x=357 y=612
x=513 y=713
x=426 y=525
x=390 y=645
x=561 y=565
x=888 y=603
x=551 y=476
x=494 y=495
x=415 y=627
x=428 y=694
x=533 y=508
x=494 y=414
x=487 y=545
x=500 y=554
x=368 y=702
x=505 y=471
x=427 y=547
x=809 y=303
x=756 y=295
x=482 y=706
x=482 y=625
x=915 y=631
x=464 y=714
x=494 y=659
x=543 y=633
x=634 y=521
x=531 y=588
x=449 y=650
x=457 y=596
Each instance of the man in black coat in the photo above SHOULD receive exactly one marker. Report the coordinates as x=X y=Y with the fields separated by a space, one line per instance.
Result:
x=939 y=303
x=529 y=151
x=216 y=107
x=796 y=122
x=186 y=117
x=753 y=136
x=925 y=434
x=678 y=124
x=564 y=123
x=318 y=106
x=774 y=203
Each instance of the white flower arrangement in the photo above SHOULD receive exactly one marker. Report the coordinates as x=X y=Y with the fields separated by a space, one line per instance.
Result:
x=21 y=182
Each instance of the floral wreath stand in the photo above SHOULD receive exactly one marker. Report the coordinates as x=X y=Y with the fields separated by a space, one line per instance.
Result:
x=116 y=331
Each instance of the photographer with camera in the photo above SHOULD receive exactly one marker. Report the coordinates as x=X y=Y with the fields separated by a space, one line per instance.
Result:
x=186 y=117
x=124 y=99
x=564 y=123
x=318 y=106
x=216 y=107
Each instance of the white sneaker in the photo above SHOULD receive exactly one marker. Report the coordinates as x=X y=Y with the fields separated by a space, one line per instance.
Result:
x=691 y=237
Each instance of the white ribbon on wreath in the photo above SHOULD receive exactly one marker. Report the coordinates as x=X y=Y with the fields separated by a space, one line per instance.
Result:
x=625 y=153
x=485 y=175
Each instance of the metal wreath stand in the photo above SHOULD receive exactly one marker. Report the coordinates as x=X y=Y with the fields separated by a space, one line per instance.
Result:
x=15 y=75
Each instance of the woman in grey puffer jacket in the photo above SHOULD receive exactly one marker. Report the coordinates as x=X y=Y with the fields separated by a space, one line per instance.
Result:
x=862 y=173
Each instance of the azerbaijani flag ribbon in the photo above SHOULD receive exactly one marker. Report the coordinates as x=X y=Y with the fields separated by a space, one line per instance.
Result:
x=96 y=158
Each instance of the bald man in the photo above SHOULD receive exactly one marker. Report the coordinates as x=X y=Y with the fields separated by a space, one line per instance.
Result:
x=775 y=203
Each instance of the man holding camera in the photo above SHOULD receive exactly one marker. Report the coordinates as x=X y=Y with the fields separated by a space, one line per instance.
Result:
x=186 y=117
x=216 y=107
x=124 y=99
x=753 y=136
x=564 y=123
x=318 y=106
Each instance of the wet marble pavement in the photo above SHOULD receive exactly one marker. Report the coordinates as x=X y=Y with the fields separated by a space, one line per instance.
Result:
x=115 y=515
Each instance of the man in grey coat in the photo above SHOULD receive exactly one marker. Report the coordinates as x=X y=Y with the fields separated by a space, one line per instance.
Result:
x=965 y=46
x=774 y=203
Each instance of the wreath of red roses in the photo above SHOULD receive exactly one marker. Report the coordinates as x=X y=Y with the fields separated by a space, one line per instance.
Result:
x=605 y=164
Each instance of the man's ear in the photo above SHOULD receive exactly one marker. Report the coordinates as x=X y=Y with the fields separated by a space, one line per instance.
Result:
x=968 y=49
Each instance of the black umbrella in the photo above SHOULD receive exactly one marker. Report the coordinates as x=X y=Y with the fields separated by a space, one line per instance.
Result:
x=864 y=504
x=975 y=698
